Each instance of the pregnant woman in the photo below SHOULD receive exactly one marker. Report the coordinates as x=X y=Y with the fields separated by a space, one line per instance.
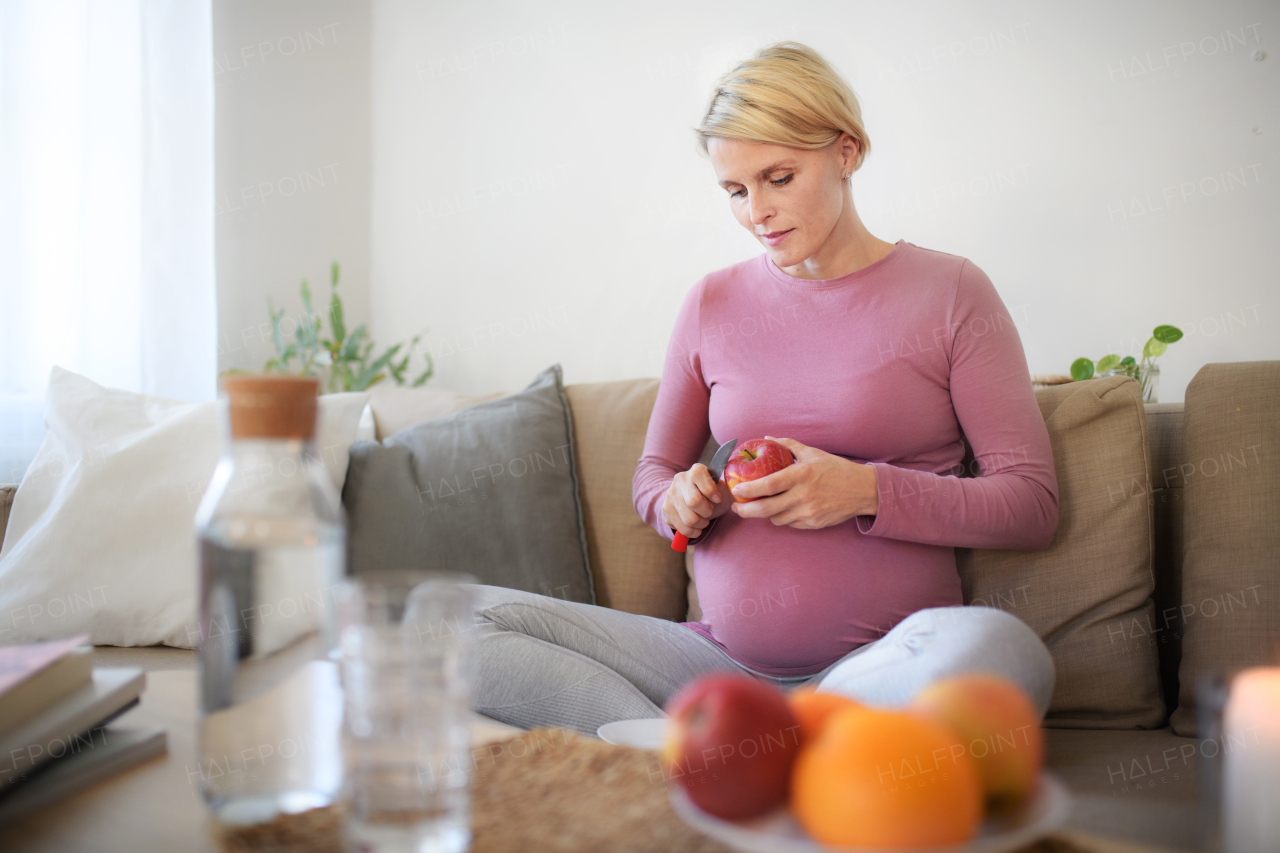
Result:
x=866 y=359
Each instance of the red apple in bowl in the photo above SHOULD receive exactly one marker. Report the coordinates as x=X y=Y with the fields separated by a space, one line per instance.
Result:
x=730 y=744
x=754 y=459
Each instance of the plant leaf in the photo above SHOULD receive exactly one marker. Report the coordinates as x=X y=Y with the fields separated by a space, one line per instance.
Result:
x=1081 y=368
x=1107 y=362
x=308 y=333
x=277 y=337
x=1167 y=334
x=351 y=346
x=1154 y=348
x=337 y=322
x=343 y=373
x=370 y=374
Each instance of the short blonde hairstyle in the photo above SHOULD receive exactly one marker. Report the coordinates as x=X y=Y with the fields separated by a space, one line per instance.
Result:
x=786 y=94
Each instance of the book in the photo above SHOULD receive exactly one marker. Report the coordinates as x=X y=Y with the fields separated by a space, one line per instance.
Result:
x=34 y=676
x=65 y=726
x=108 y=751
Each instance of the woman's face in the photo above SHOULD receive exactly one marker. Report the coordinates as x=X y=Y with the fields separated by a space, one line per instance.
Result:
x=790 y=199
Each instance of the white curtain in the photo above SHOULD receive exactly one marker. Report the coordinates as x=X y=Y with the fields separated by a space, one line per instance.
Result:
x=106 y=204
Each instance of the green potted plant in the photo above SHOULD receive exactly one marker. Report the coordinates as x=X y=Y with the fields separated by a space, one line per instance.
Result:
x=345 y=360
x=1147 y=372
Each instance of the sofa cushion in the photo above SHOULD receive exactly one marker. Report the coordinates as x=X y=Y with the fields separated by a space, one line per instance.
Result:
x=1088 y=595
x=1134 y=786
x=491 y=490
x=1232 y=501
x=635 y=569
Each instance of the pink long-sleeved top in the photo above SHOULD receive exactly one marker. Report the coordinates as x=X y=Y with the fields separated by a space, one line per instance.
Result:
x=888 y=366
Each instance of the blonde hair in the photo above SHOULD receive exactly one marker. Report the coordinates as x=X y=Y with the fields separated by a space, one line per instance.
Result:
x=786 y=94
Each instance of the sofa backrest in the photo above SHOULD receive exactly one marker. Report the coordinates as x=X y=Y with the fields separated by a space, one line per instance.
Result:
x=639 y=573
x=1229 y=618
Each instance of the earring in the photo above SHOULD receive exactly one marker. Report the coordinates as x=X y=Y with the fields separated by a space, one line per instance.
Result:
x=847 y=174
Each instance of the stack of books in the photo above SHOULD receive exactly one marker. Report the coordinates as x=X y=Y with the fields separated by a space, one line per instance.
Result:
x=54 y=713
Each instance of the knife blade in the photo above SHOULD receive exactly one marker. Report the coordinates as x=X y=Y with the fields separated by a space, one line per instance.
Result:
x=716 y=467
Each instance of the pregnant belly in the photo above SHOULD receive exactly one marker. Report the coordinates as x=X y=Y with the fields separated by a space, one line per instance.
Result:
x=788 y=602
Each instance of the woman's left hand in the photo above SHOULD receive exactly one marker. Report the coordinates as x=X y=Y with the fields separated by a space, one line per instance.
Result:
x=818 y=490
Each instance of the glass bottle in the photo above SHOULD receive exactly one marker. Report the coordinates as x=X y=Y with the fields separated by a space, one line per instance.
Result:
x=271 y=535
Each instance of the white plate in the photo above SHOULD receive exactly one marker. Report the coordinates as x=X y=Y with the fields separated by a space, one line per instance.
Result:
x=645 y=734
x=778 y=831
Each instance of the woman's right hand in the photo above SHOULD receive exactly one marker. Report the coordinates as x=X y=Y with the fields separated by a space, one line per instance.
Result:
x=693 y=499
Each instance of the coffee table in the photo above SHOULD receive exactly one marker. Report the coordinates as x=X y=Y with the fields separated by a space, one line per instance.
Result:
x=155 y=806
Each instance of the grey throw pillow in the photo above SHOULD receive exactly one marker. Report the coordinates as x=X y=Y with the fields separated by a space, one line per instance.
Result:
x=491 y=490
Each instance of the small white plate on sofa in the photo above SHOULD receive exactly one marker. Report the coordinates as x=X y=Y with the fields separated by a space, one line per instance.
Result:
x=643 y=734
x=778 y=831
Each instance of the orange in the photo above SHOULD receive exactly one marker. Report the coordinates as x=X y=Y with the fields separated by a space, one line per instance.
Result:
x=812 y=709
x=1000 y=727
x=887 y=779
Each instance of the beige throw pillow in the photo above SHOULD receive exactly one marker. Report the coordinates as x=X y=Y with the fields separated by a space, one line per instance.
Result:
x=634 y=568
x=1088 y=595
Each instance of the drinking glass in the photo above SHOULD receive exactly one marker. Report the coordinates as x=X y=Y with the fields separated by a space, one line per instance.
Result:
x=404 y=652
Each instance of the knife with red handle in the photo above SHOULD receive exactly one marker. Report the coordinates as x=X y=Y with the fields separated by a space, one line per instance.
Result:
x=716 y=467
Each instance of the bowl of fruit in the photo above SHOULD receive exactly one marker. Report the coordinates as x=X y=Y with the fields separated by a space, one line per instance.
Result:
x=961 y=768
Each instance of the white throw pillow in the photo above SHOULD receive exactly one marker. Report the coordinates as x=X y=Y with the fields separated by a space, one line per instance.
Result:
x=101 y=537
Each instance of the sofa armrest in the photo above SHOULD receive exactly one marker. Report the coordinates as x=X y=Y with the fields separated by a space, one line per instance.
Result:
x=6 y=501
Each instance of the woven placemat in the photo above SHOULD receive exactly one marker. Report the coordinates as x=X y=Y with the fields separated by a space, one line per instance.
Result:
x=556 y=790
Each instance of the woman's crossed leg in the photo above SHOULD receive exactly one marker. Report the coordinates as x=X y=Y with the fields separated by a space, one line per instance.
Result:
x=937 y=642
x=542 y=661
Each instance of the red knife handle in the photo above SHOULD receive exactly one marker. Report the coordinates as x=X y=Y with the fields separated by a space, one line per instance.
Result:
x=680 y=542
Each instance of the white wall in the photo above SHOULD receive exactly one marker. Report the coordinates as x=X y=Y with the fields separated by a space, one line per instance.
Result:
x=292 y=152
x=536 y=195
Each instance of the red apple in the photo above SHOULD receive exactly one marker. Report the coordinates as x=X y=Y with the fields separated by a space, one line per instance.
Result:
x=754 y=459
x=730 y=744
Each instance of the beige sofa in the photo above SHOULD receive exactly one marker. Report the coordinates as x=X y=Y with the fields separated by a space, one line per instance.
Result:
x=1096 y=595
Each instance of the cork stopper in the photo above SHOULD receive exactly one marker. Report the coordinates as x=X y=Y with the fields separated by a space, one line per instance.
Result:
x=272 y=406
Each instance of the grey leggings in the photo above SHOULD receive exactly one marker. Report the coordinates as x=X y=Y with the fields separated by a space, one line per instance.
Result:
x=542 y=661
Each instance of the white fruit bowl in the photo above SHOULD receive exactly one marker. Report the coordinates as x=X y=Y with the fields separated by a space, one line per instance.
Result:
x=778 y=831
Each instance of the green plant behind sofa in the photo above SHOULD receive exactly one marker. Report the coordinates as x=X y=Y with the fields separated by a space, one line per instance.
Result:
x=348 y=358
